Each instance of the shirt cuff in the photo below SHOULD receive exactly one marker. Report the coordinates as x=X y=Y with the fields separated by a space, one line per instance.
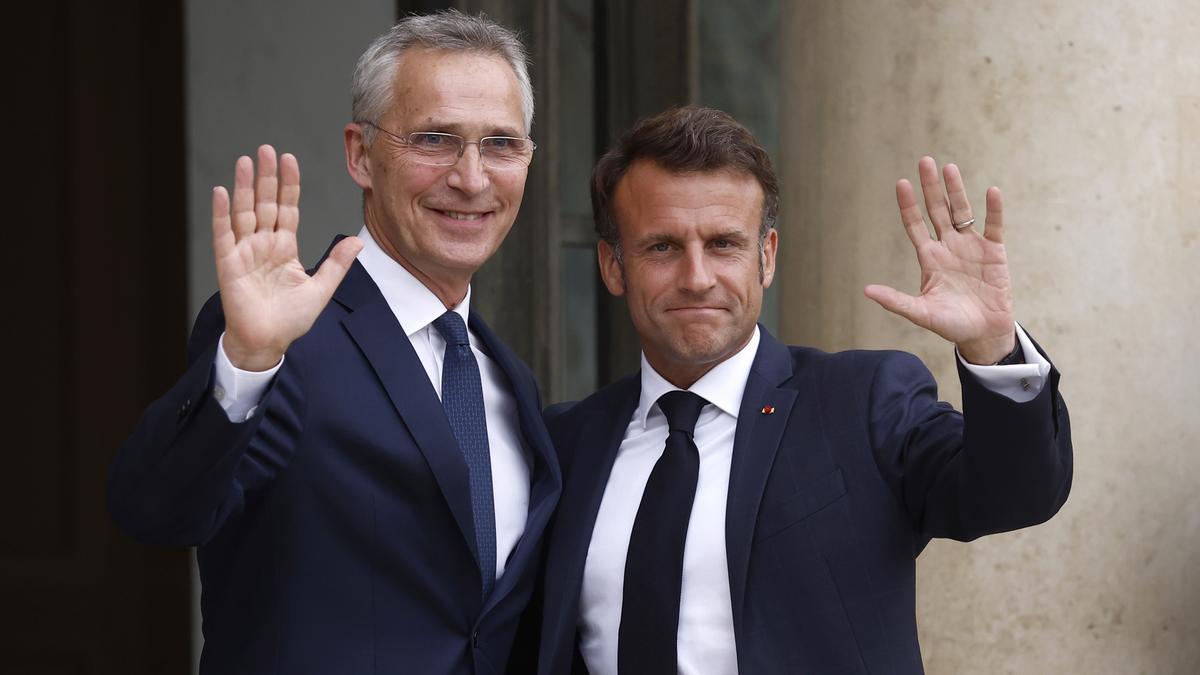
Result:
x=239 y=391
x=1019 y=382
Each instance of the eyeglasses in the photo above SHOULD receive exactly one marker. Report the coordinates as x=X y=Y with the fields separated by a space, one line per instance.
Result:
x=434 y=148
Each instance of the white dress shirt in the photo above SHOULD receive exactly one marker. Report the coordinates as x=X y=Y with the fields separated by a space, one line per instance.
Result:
x=706 y=639
x=415 y=307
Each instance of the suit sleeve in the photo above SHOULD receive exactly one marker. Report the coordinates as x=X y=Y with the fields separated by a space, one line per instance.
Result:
x=183 y=472
x=998 y=466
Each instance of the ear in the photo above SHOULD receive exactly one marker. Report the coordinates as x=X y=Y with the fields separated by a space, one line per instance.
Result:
x=770 y=245
x=610 y=268
x=358 y=162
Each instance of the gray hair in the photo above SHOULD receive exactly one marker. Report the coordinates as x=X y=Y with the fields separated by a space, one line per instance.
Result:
x=448 y=30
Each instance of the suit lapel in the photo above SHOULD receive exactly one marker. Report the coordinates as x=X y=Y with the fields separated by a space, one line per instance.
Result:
x=373 y=327
x=755 y=445
x=545 y=478
x=597 y=443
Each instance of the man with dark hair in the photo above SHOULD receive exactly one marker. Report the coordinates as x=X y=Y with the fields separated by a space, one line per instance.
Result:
x=367 y=479
x=741 y=506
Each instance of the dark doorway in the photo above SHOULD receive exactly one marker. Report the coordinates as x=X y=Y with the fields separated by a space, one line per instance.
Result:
x=96 y=236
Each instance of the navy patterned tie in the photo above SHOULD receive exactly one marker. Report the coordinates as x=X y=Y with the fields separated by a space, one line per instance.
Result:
x=646 y=639
x=462 y=398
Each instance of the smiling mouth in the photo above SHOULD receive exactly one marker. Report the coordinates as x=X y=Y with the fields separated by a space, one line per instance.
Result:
x=695 y=309
x=463 y=215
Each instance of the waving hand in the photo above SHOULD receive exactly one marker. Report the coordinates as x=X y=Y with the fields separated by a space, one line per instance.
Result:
x=966 y=294
x=268 y=298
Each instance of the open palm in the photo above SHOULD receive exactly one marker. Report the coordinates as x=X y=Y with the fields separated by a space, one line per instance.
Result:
x=966 y=294
x=268 y=298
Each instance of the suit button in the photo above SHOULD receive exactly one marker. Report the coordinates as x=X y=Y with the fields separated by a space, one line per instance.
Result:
x=183 y=409
x=475 y=639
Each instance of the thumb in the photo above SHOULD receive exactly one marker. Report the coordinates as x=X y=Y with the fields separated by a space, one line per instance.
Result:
x=334 y=269
x=895 y=302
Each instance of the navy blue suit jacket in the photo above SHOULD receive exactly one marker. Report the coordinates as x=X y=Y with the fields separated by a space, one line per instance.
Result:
x=831 y=498
x=334 y=527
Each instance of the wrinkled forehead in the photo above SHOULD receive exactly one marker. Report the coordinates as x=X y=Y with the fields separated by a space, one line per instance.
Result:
x=649 y=195
x=461 y=92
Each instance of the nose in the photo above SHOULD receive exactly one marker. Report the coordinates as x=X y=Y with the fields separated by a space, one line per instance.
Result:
x=697 y=273
x=468 y=175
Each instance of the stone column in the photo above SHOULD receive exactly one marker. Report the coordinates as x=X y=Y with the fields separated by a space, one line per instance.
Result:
x=1088 y=117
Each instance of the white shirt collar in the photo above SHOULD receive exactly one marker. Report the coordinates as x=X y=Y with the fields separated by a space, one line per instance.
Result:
x=414 y=305
x=722 y=386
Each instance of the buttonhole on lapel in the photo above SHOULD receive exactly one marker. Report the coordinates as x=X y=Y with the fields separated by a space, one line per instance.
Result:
x=768 y=410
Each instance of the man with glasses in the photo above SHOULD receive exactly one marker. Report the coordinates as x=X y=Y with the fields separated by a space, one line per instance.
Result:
x=368 y=478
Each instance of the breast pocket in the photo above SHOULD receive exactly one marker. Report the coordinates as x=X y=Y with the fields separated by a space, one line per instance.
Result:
x=809 y=499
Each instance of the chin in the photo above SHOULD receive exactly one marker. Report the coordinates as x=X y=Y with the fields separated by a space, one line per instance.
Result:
x=707 y=344
x=465 y=255
x=701 y=349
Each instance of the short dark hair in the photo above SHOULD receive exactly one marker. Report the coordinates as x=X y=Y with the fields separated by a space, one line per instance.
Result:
x=683 y=139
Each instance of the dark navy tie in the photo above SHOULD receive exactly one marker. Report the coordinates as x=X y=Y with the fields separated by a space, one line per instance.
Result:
x=462 y=398
x=646 y=640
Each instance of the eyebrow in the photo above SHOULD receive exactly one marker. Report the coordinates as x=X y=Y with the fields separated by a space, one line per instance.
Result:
x=732 y=235
x=656 y=237
x=457 y=129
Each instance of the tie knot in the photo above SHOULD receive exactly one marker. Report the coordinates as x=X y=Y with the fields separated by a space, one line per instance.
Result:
x=682 y=409
x=452 y=328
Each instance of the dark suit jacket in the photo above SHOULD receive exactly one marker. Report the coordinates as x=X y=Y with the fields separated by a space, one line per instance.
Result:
x=334 y=528
x=831 y=498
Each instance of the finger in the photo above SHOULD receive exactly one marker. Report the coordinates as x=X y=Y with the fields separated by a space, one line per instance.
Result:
x=993 y=227
x=334 y=269
x=935 y=197
x=910 y=214
x=223 y=239
x=266 y=187
x=289 y=193
x=960 y=207
x=896 y=302
x=243 y=197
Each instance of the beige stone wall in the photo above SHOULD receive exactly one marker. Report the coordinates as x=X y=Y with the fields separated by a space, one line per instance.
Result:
x=1088 y=116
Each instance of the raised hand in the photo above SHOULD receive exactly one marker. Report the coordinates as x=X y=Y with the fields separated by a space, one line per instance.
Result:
x=268 y=298
x=966 y=294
